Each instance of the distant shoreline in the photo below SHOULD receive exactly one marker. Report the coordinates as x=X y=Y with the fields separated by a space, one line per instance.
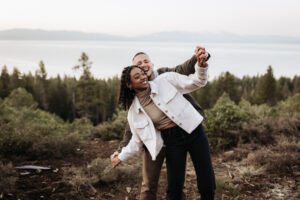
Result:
x=174 y=36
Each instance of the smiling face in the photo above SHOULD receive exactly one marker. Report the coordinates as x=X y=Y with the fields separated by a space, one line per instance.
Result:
x=138 y=80
x=143 y=61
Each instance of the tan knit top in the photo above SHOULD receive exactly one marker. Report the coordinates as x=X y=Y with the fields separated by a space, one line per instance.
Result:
x=158 y=118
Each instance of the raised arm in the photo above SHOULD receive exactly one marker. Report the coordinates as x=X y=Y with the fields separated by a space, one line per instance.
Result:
x=187 y=67
x=186 y=84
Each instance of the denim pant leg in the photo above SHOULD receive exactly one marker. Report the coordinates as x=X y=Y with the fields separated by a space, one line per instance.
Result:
x=199 y=151
x=176 y=153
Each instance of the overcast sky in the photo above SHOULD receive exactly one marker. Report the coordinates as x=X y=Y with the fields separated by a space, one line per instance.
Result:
x=136 y=17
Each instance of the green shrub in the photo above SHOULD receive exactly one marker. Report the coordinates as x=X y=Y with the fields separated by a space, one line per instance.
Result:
x=225 y=119
x=291 y=105
x=20 y=98
x=268 y=123
x=26 y=132
x=113 y=130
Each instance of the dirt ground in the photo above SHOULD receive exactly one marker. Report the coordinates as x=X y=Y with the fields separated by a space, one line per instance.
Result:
x=235 y=179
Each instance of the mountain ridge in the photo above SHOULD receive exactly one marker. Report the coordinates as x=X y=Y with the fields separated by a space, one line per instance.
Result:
x=170 y=36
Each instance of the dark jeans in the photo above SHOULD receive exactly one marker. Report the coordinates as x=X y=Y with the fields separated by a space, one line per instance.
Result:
x=178 y=143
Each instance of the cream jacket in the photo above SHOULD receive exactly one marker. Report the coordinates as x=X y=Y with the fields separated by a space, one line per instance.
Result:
x=166 y=93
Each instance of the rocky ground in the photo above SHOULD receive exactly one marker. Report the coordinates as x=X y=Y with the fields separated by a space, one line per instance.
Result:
x=236 y=178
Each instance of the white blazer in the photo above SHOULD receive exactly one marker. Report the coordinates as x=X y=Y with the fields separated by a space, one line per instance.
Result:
x=166 y=93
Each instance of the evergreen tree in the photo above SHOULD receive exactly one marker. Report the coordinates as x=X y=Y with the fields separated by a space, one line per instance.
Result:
x=203 y=96
x=58 y=98
x=85 y=87
x=249 y=87
x=42 y=85
x=229 y=84
x=4 y=82
x=296 y=84
x=28 y=83
x=284 y=88
x=16 y=80
x=267 y=88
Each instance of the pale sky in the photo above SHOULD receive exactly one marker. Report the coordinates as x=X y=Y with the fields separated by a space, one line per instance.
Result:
x=137 y=17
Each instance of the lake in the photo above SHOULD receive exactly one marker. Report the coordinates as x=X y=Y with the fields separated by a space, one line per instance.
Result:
x=110 y=57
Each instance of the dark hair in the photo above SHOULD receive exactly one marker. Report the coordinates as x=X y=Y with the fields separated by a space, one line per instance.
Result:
x=137 y=54
x=126 y=94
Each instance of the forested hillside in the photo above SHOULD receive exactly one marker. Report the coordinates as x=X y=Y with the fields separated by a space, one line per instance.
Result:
x=73 y=125
x=96 y=99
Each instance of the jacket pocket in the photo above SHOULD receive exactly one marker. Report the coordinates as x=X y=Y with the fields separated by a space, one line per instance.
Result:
x=142 y=129
x=169 y=95
x=140 y=124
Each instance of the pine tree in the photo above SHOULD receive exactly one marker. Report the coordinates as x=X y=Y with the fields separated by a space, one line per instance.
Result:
x=28 y=83
x=229 y=84
x=42 y=85
x=4 y=82
x=58 y=98
x=296 y=84
x=267 y=88
x=16 y=80
x=203 y=96
x=85 y=90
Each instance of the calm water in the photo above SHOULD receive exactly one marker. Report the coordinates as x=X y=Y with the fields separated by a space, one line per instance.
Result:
x=110 y=57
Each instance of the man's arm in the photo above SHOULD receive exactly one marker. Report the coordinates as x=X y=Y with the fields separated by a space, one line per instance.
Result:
x=187 y=68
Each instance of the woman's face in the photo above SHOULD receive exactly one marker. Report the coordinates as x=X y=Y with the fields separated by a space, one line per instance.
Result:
x=138 y=80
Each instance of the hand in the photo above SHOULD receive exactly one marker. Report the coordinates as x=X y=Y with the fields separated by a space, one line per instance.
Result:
x=115 y=161
x=201 y=57
x=199 y=50
x=113 y=155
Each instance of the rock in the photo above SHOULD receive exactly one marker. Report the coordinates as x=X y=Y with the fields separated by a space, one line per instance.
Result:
x=56 y=170
x=128 y=189
x=32 y=167
x=24 y=173
x=228 y=153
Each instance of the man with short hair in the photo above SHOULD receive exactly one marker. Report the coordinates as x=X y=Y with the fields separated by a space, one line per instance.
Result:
x=151 y=168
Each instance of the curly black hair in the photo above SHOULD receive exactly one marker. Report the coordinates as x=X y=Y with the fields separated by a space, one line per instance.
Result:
x=126 y=94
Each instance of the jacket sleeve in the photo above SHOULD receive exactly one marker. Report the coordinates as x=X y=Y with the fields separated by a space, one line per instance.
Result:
x=126 y=138
x=186 y=68
x=187 y=84
x=133 y=146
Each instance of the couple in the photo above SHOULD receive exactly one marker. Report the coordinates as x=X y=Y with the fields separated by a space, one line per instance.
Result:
x=167 y=123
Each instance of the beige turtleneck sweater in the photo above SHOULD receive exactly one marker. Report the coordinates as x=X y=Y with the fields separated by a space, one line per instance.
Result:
x=158 y=118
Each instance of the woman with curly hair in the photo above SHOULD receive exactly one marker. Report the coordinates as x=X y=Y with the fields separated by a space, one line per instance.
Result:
x=158 y=115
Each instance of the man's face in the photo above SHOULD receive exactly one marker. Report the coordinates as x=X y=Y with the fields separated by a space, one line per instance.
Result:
x=145 y=63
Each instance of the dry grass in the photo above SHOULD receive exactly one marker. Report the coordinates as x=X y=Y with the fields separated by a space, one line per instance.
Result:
x=99 y=173
x=226 y=189
x=283 y=158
